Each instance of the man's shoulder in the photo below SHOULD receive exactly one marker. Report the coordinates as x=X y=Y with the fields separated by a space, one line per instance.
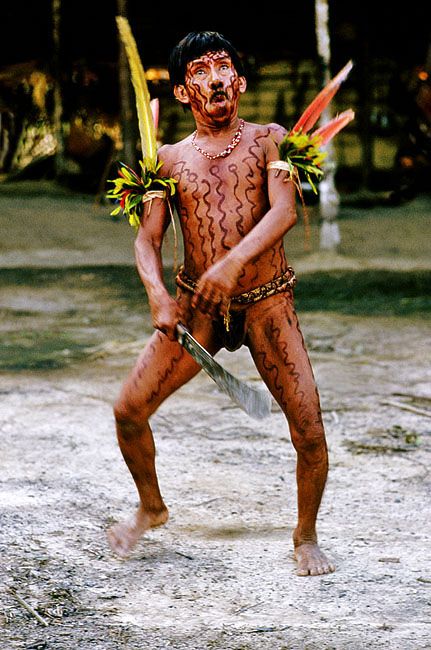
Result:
x=168 y=151
x=270 y=130
x=169 y=154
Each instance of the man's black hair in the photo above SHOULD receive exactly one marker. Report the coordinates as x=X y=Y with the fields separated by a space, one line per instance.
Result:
x=194 y=45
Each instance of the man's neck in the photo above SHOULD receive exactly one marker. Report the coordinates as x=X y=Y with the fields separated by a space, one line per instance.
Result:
x=217 y=128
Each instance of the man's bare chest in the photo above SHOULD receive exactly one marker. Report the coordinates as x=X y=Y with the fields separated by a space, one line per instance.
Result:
x=213 y=183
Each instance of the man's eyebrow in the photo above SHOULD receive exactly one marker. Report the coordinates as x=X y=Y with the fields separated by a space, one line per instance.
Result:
x=197 y=62
x=219 y=56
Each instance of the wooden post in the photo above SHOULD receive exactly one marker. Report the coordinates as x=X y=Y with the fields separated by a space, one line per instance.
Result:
x=329 y=199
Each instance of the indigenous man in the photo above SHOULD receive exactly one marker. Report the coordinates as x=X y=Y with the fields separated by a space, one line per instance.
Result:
x=234 y=288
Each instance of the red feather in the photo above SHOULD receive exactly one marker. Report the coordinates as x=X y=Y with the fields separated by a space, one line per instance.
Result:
x=327 y=132
x=124 y=197
x=318 y=105
x=155 y=108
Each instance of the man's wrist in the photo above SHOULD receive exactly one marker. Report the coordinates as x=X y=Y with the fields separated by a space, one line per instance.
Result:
x=235 y=258
x=157 y=295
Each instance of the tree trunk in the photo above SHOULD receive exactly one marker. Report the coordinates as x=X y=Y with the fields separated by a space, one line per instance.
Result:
x=329 y=199
x=58 y=104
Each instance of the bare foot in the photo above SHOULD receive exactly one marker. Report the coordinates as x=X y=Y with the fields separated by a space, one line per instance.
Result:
x=124 y=536
x=312 y=561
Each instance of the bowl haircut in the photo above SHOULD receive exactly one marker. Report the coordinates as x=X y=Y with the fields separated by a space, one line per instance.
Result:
x=194 y=45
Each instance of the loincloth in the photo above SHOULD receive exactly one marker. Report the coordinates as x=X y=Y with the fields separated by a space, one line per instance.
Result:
x=230 y=328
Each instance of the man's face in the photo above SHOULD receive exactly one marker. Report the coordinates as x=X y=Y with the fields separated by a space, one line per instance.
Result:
x=212 y=86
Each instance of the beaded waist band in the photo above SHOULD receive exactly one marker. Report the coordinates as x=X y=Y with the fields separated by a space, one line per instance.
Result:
x=284 y=282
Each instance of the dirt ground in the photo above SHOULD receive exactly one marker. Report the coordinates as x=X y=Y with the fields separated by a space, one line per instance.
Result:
x=221 y=574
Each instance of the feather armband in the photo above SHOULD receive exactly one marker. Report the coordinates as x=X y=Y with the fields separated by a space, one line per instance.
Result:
x=303 y=157
x=132 y=191
x=303 y=150
x=301 y=153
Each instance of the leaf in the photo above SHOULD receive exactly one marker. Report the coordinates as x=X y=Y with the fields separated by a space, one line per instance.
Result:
x=136 y=200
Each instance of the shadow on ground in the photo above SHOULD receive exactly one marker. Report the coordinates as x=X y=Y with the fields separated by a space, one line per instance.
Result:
x=50 y=317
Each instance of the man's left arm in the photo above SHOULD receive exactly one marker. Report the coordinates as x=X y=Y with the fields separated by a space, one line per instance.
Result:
x=218 y=283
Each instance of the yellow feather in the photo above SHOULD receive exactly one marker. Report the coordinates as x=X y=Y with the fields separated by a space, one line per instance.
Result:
x=145 y=118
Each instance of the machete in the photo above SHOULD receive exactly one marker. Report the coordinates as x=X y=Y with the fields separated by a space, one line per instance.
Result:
x=253 y=401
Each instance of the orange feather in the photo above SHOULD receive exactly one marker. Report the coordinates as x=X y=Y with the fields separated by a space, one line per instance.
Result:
x=327 y=132
x=313 y=111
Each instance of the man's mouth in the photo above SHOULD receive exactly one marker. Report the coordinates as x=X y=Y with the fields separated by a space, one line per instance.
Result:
x=218 y=96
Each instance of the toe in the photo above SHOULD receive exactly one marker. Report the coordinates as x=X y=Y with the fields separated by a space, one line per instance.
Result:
x=311 y=561
x=302 y=572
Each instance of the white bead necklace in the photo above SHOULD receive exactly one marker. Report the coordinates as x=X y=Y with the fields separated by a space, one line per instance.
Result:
x=235 y=140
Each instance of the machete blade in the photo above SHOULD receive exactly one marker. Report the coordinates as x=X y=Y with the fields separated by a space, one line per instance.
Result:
x=253 y=401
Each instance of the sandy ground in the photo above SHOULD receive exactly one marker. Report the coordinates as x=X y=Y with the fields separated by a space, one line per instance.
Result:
x=221 y=574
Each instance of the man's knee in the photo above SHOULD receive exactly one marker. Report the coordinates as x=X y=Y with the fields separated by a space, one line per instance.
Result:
x=308 y=437
x=130 y=419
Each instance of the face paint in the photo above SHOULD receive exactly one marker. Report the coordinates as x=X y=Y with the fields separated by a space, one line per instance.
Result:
x=213 y=85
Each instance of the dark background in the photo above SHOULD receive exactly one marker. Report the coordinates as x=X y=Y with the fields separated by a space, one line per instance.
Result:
x=366 y=32
x=387 y=41
x=400 y=31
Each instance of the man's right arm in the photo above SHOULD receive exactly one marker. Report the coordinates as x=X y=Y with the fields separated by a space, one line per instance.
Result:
x=148 y=255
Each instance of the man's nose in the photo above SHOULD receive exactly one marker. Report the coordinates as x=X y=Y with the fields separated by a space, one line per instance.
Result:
x=216 y=85
x=214 y=79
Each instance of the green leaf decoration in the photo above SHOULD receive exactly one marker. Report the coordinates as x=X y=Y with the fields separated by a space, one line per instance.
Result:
x=130 y=189
x=302 y=151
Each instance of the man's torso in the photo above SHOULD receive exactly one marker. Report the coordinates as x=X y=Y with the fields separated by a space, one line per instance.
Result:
x=219 y=201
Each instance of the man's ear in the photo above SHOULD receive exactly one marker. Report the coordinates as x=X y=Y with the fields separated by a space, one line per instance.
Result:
x=180 y=93
x=242 y=84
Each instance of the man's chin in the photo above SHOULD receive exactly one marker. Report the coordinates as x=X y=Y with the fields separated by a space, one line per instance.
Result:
x=219 y=110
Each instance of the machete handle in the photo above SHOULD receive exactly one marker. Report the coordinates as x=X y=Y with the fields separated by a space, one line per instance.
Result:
x=181 y=330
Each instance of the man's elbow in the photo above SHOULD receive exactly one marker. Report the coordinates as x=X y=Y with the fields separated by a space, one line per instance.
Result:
x=286 y=216
x=145 y=242
x=138 y=246
x=292 y=218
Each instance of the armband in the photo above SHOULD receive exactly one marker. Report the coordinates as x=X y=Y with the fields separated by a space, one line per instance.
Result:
x=283 y=165
x=131 y=191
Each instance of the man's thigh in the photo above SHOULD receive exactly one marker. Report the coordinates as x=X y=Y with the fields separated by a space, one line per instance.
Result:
x=279 y=352
x=163 y=367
